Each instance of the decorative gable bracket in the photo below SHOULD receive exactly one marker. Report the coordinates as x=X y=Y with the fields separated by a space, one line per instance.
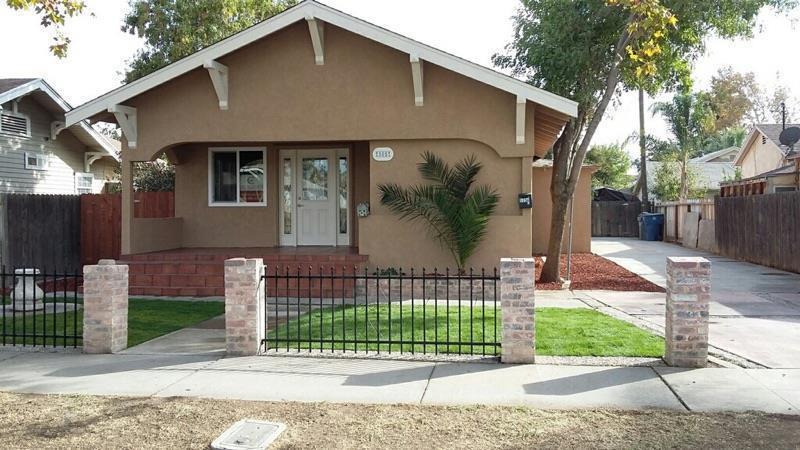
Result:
x=317 y=29
x=55 y=128
x=522 y=102
x=89 y=158
x=416 y=75
x=219 y=78
x=126 y=118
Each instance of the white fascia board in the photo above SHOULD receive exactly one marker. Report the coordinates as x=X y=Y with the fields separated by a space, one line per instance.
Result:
x=310 y=8
x=40 y=85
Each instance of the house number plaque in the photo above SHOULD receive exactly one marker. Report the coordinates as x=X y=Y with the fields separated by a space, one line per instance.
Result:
x=382 y=154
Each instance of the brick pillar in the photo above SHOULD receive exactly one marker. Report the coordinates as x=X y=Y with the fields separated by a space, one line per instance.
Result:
x=105 y=307
x=244 y=306
x=688 y=293
x=517 y=304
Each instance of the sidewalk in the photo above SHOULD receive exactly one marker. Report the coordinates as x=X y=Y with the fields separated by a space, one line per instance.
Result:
x=283 y=378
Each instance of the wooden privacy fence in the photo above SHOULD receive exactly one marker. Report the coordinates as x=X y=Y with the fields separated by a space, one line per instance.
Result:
x=101 y=220
x=41 y=231
x=675 y=212
x=762 y=229
x=615 y=218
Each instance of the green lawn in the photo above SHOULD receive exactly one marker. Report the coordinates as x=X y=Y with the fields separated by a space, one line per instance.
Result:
x=559 y=331
x=147 y=319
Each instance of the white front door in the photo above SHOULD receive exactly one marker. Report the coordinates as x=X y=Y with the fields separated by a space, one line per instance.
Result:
x=316 y=197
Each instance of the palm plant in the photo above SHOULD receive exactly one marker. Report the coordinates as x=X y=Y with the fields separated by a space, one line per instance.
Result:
x=691 y=120
x=456 y=213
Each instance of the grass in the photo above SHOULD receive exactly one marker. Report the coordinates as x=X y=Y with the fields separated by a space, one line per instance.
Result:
x=147 y=319
x=559 y=331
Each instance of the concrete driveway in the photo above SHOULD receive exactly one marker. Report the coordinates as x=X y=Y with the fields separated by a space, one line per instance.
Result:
x=755 y=310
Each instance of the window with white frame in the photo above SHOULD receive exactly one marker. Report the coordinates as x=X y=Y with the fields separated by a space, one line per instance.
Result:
x=83 y=183
x=35 y=161
x=237 y=177
x=15 y=124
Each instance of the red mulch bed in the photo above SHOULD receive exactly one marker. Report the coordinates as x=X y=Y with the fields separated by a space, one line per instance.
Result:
x=590 y=271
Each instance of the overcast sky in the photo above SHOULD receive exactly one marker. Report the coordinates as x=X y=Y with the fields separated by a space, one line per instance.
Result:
x=471 y=29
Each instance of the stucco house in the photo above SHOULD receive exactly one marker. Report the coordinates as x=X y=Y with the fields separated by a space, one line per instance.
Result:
x=282 y=133
x=38 y=153
x=762 y=150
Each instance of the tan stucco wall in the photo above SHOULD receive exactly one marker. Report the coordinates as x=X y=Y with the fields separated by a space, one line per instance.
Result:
x=222 y=226
x=390 y=242
x=363 y=92
x=760 y=158
x=543 y=209
x=151 y=235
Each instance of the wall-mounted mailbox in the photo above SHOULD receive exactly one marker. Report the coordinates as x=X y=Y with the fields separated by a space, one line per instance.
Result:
x=525 y=201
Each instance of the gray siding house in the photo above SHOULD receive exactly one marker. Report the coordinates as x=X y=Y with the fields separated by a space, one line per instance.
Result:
x=38 y=154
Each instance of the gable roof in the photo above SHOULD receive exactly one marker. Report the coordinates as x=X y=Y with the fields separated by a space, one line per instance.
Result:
x=709 y=157
x=309 y=9
x=14 y=88
x=771 y=131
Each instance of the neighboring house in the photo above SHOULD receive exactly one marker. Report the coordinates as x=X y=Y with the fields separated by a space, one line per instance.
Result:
x=329 y=107
x=711 y=170
x=38 y=154
x=762 y=151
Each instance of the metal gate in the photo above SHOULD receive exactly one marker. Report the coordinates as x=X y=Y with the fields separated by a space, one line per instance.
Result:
x=382 y=311
x=40 y=308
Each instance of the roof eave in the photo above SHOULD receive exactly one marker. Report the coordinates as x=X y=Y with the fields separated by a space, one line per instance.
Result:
x=337 y=18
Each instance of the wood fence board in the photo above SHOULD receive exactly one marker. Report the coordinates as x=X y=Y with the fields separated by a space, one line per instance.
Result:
x=615 y=218
x=762 y=229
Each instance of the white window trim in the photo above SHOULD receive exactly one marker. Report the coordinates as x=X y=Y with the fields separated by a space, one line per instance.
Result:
x=20 y=115
x=237 y=203
x=343 y=239
x=39 y=157
x=289 y=239
x=85 y=175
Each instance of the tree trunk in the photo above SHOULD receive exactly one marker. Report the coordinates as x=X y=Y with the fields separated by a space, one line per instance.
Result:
x=684 y=190
x=567 y=162
x=643 y=155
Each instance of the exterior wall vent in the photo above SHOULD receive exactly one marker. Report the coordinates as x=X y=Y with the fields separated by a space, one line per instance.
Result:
x=16 y=124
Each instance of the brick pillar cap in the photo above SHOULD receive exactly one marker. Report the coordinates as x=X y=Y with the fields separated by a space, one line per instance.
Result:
x=106 y=262
x=513 y=260
x=687 y=260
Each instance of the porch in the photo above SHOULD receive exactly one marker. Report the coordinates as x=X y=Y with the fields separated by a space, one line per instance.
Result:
x=199 y=272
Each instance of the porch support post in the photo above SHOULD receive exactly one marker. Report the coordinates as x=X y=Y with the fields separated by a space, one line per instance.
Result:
x=517 y=307
x=522 y=103
x=245 y=320
x=126 y=220
x=317 y=30
x=416 y=75
x=219 y=78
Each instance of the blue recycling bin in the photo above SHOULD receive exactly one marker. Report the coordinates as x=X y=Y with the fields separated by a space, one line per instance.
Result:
x=651 y=226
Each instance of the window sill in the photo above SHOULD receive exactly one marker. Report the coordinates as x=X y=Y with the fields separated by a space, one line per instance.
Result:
x=236 y=205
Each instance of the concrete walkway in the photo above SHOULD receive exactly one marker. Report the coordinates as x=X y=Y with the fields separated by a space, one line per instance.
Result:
x=755 y=310
x=284 y=378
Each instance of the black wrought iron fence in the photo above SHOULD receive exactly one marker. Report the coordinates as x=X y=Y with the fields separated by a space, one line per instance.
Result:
x=41 y=308
x=389 y=311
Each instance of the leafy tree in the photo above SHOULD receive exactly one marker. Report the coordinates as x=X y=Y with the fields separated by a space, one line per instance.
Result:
x=669 y=180
x=767 y=105
x=731 y=97
x=587 y=50
x=53 y=13
x=691 y=121
x=729 y=137
x=456 y=213
x=613 y=164
x=154 y=176
x=173 y=29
